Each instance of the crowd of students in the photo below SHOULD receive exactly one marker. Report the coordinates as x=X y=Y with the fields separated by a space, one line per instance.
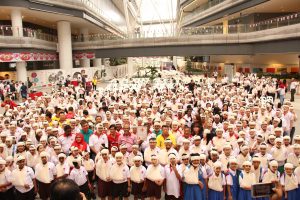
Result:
x=204 y=139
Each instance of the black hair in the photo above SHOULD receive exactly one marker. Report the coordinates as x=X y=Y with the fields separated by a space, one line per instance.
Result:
x=65 y=189
x=67 y=127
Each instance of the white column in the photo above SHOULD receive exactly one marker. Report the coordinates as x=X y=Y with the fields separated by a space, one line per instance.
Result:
x=225 y=27
x=64 y=45
x=84 y=32
x=97 y=62
x=16 y=23
x=85 y=63
x=21 y=71
x=175 y=61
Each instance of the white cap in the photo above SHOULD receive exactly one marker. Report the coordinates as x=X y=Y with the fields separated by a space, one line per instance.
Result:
x=288 y=166
x=20 y=158
x=105 y=151
x=138 y=158
x=217 y=164
x=247 y=163
x=119 y=155
x=61 y=155
x=2 y=162
x=171 y=156
x=273 y=163
x=44 y=154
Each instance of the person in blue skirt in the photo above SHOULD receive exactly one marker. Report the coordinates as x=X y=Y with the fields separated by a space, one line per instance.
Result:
x=246 y=180
x=216 y=183
x=192 y=177
x=289 y=183
x=232 y=180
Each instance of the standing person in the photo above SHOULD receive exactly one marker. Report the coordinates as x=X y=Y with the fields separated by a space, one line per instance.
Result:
x=6 y=188
x=173 y=178
x=120 y=176
x=62 y=168
x=232 y=180
x=289 y=182
x=94 y=82
x=23 y=179
x=103 y=166
x=23 y=91
x=80 y=176
x=86 y=131
x=246 y=180
x=137 y=177
x=216 y=183
x=281 y=89
x=45 y=173
x=155 y=176
x=293 y=87
x=193 y=180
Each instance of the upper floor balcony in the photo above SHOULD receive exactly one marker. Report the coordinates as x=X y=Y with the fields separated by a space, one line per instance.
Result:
x=211 y=8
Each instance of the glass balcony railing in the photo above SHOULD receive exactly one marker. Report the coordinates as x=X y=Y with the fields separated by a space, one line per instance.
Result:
x=203 y=30
x=27 y=32
x=206 y=6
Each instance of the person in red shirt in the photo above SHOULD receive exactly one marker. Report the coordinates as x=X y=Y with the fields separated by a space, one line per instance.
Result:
x=113 y=137
x=9 y=102
x=80 y=143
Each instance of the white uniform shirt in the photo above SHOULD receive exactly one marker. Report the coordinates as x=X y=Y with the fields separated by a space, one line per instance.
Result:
x=21 y=177
x=163 y=155
x=102 y=169
x=155 y=173
x=5 y=177
x=79 y=175
x=216 y=182
x=269 y=176
x=119 y=173
x=297 y=173
x=66 y=142
x=172 y=182
x=289 y=182
x=137 y=174
x=62 y=169
x=89 y=164
x=45 y=173
x=148 y=152
x=293 y=159
x=247 y=179
x=98 y=142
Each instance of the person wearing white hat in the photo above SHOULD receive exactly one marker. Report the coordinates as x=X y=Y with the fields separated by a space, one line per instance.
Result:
x=74 y=154
x=219 y=141
x=98 y=140
x=155 y=175
x=6 y=188
x=173 y=178
x=62 y=167
x=243 y=156
x=246 y=180
x=216 y=183
x=80 y=176
x=137 y=177
x=294 y=156
x=20 y=150
x=263 y=155
x=272 y=174
x=256 y=169
x=103 y=165
x=279 y=153
x=289 y=182
x=45 y=173
x=120 y=176
x=23 y=179
x=185 y=148
x=135 y=152
x=194 y=180
x=232 y=179
x=32 y=157
x=163 y=153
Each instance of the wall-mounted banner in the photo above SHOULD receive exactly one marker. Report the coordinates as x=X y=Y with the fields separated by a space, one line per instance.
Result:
x=88 y=55
x=27 y=56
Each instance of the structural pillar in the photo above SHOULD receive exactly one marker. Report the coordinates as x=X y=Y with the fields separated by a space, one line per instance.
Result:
x=64 y=45
x=16 y=22
x=21 y=71
x=225 y=27
x=84 y=32
x=85 y=63
x=97 y=62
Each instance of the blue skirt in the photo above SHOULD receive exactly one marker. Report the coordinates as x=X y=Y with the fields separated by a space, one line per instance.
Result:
x=292 y=195
x=215 y=195
x=245 y=194
x=192 y=192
